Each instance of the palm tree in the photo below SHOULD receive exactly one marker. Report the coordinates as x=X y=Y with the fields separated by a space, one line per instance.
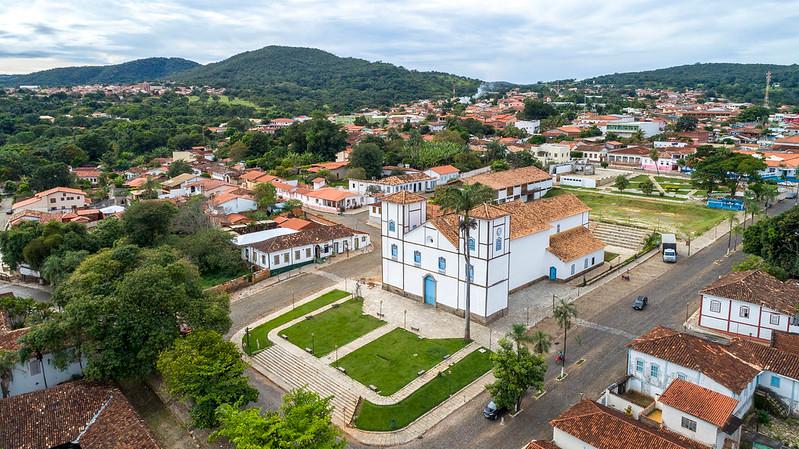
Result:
x=518 y=334
x=654 y=154
x=564 y=313
x=461 y=201
x=541 y=342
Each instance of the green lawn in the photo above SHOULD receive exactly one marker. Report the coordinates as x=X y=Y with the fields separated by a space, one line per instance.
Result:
x=212 y=280
x=393 y=360
x=681 y=217
x=668 y=180
x=258 y=336
x=390 y=417
x=333 y=327
x=654 y=195
x=610 y=256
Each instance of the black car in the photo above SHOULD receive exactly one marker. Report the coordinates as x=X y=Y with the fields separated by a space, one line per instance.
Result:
x=640 y=302
x=491 y=411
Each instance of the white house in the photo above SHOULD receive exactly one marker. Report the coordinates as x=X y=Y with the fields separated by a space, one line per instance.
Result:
x=443 y=174
x=628 y=129
x=411 y=182
x=233 y=203
x=553 y=152
x=55 y=199
x=530 y=126
x=513 y=245
x=292 y=249
x=33 y=374
x=750 y=303
x=526 y=183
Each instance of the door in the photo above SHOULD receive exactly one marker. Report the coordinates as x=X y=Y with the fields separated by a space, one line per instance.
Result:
x=429 y=290
x=356 y=240
x=553 y=273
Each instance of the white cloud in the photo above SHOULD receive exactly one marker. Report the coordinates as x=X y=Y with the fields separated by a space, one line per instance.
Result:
x=514 y=40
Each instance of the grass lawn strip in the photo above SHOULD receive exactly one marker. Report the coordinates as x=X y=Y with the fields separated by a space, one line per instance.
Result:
x=333 y=327
x=393 y=360
x=681 y=217
x=390 y=417
x=258 y=335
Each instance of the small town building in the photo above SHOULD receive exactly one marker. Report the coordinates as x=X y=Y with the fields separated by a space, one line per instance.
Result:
x=525 y=184
x=52 y=200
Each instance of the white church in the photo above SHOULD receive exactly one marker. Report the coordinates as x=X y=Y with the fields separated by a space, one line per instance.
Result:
x=514 y=244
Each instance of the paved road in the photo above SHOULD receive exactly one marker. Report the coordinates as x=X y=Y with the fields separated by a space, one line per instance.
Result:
x=25 y=292
x=602 y=342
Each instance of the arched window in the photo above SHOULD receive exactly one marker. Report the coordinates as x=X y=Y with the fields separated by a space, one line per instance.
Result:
x=417 y=257
x=442 y=264
x=394 y=251
x=498 y=244
x=471 y=244
x=392 y=226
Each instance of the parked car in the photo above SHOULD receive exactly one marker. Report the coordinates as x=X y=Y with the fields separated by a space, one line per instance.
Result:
x=640 y=302
x=491 y=411
x=9 y=211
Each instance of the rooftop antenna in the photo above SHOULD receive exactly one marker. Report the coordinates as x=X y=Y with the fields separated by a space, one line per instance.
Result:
x=768 y=84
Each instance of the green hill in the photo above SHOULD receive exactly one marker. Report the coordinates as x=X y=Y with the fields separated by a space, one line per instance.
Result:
x=304 y=79
x=147 y=69
x=737 y=82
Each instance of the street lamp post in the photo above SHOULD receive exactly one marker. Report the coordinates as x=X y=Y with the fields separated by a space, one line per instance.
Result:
x=313 y=344
x=247 y=333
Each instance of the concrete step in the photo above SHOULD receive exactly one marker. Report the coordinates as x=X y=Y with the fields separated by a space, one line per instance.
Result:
x=618 y=235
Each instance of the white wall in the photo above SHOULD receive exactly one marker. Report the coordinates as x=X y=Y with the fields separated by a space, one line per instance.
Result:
x=705 y=433
x=729 y=319
x=24 y=382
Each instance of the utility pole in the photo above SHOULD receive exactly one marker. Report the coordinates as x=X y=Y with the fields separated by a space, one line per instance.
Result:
x=768 y=85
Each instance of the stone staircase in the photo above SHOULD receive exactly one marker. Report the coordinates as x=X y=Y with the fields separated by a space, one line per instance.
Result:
x=290 y=372
x=775 y=404
x=618 y=235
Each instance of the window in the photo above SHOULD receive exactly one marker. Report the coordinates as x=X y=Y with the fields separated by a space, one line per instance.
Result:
x=276 y=260
x=682 y=376
x=307 y=252
x=263 y=260
x=498 y=244
x=392 y=226
x=297 y=254
x=585 y=265
x=744 y=312
x=689 y=424
x=470 y=272
x=593 y=261
x=774 y=319
x=572 y=268
x=35 y=367
x=394 y=251
x=654 y=370
x=639 y=366
x=417 y=257
x=442 y=264
x=715 y=306
x=471 y=244
x=558 y=229
x=286 y=258
x=775 y=381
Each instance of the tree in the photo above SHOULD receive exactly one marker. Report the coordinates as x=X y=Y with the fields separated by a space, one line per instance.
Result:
x=647 y=186
x=8 y=360
x=208 y=370
x=753 y=113
x=654 y=154
x=591 y=131
x=148 y=222
x=356 y=173
x=537 y=110
x=541 y=342
x=369 y=157
x=714 y=167
x=621 y=183
x=178 y=167
x=752 y=262
x=515 y=372
x=303 y=422
x=47 y=176
x=564 y=313
x=518 y=335
x=127 y=304
x=212 y=251
x=191 y=218
x=461 y=201
x=265 y=195
x=238 y=151
x=776 y=241
x=685 y=123
x=57 y=267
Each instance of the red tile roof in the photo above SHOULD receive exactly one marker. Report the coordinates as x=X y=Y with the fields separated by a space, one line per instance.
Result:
x=707 y=405
x=574 y=243
x=445 y=170
x=99 y=414
x=605 y=428
x=402 y=197
x=757 y=287
x=498 y=180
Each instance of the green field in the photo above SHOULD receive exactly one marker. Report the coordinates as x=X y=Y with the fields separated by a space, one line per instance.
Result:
x=258 y=336
x=389 y=417
x=332 y=328
x=651 y=213
x=224 y=99
x=393 y=360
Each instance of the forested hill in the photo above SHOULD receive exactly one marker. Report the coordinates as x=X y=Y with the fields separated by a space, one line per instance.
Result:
x=737 y=82
x=304 y=79
x=147 y=69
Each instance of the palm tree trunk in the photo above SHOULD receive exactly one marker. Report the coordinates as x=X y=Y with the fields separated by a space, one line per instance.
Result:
x=467 y=332
x=563 y=358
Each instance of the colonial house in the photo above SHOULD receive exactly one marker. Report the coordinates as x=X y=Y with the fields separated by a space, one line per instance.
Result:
x=750 y=303
x=55 y=199
x=173 y=187
x=410 y=182
x=74 y=415
x=553 y=152
x=513 y=245
x=628 y=129
x=250 y=178
x=629 y=157
x=290 y=249
x=443 y=174
x=232 y=203
x=589 y=424
x=91 y=174
x=337 y=169
x=525 y=184
x=34 y=374
x=319 y=197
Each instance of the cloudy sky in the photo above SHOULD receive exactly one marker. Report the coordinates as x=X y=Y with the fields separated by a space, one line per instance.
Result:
x=513 y=40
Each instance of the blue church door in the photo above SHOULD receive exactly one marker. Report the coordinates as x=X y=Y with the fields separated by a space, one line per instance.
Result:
x=553 y=273
x=429 y=290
